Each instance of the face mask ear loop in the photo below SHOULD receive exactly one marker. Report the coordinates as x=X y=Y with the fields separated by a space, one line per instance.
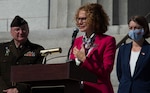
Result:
x=143 y=32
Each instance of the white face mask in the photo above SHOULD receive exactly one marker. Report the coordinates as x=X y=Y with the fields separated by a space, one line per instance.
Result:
x=136 y=34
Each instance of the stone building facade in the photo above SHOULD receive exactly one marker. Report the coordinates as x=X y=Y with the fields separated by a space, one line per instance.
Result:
x=52 y=14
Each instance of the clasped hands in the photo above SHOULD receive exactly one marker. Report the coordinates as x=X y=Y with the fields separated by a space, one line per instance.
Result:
x=79 y=54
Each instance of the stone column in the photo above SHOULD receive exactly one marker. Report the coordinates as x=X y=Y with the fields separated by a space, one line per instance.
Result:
x=58 y=13
x=72 y=8
x=53 y=13
x=123 y=12
x=107 y=5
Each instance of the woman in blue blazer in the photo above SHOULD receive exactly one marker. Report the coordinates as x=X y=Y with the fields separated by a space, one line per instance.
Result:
x=133 y=60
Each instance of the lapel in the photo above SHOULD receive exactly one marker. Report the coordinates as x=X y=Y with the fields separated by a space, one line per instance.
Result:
x=126 y=58
x=26 y=48
x=142 y=59
x=13 y=49
x=95 y=45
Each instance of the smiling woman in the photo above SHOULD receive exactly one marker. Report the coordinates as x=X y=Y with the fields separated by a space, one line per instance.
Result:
x=94 y=51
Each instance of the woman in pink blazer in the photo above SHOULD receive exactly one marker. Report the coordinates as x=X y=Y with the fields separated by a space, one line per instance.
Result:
x=94 y=51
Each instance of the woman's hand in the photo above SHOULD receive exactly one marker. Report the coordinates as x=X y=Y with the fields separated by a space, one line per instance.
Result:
x=11 y=90
x=80 y=54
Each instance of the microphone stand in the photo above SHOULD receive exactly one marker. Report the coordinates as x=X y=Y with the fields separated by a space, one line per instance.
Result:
x=44 y=59
x=70 y=50
x=73 y=38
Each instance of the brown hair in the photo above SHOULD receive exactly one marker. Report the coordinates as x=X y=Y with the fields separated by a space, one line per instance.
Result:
x=141 y=20
x=96 y=17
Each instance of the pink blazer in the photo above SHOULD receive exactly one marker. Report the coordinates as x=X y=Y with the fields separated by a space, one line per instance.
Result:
x=100 y=61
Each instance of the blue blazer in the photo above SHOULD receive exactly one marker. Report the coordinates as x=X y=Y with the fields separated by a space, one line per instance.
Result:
x=140 y=82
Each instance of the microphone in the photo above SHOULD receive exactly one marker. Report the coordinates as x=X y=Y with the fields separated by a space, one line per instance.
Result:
x=74 y=35
x=50 y=51
x=75 y=32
